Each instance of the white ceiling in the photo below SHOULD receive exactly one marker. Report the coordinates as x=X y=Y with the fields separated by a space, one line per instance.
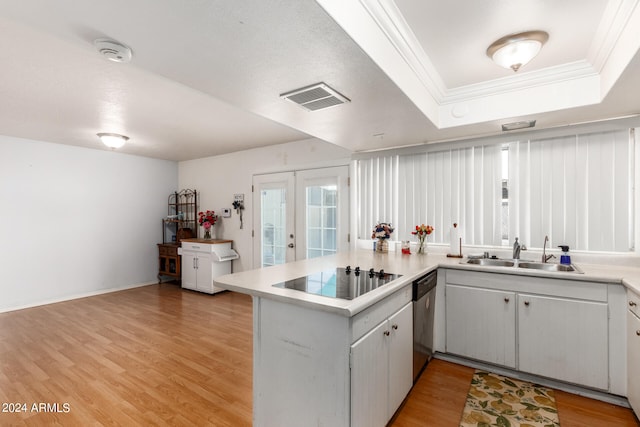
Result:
x=206 y=75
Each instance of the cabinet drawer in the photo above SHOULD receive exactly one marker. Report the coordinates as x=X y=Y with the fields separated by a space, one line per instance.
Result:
x=633 y=302
x=168 y=250
x=365 y=321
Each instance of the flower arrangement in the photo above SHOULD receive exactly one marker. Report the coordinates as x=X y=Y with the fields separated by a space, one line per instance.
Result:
x=422 y=231
x=382 y=231
x=207 y=220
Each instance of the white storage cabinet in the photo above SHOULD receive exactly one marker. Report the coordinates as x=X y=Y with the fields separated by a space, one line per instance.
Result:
x=381 y=369
x=203 y=261
x=318 y=368
x=554 y=328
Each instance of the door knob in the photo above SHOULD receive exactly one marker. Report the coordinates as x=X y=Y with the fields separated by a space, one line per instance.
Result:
x=290 y=245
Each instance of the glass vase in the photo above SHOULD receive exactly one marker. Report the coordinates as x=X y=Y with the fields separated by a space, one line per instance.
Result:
x=382 y=245
x=207 y=234
x=422 y=244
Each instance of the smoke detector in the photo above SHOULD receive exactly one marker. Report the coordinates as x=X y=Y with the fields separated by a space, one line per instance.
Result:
x=113 y=50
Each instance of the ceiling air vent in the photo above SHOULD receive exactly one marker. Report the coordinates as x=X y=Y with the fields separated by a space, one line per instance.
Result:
x=315 y=97
x=518 y=125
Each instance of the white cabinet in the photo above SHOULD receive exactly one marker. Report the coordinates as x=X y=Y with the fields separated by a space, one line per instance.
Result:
x=633 y=352
x=480 y=324
x=315 y=367
x=196 y=271
x=554 y=328
x=203 y=261
x=564 y=339
x=382 y=370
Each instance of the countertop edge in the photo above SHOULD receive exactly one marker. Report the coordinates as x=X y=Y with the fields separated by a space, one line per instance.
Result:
x=414 y=268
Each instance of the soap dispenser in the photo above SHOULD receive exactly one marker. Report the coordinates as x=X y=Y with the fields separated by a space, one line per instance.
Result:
x=565 y=258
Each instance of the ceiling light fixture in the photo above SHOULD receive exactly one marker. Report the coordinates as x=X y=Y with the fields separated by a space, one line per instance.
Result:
x=113 y=140
x=515 y=50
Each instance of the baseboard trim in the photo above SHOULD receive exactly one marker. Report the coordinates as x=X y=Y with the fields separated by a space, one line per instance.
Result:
x=548 y=382
x=76 y=296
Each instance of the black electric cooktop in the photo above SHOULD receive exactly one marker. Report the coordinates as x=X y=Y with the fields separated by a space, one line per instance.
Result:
x=342 y=283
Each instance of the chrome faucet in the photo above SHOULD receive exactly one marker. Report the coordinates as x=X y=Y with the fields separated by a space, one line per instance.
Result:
x=546 y=257
x=516 y=249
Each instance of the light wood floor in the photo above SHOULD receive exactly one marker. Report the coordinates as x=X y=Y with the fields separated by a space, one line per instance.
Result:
x=158 y=355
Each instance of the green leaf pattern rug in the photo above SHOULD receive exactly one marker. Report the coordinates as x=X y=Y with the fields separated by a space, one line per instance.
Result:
x=495 y=400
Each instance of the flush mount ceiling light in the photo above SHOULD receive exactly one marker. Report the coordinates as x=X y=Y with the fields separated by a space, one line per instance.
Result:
x=518 y=125
x=515 y=50
x=315 y=97
x=113 y=140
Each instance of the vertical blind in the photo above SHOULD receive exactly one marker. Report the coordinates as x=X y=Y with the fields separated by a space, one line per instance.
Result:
x=438 y=188
x=578 y=190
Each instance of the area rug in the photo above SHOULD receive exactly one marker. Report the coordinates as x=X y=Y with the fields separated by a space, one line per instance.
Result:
x=494 y=400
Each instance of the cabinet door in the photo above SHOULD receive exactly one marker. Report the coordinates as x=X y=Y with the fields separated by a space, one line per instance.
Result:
x=633 y=361
x=204 y=275
x=400 y=357
x=189 y=278
x=564 y=339
x=480 y=324
x=369 y=377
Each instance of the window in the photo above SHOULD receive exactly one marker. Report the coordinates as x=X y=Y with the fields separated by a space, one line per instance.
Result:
x=578 y=190
x=321 y=220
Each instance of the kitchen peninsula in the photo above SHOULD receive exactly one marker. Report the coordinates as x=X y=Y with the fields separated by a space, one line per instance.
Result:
x=322 y=361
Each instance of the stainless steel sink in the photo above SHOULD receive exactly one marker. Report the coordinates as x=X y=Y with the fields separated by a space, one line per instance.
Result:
x=549 y=267
x=491 y=262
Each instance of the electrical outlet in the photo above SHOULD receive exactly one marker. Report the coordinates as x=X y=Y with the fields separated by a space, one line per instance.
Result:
x=238 y=197
x=226 y=213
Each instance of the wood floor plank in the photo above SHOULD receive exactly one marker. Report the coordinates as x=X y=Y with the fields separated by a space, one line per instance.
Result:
x=158 y=355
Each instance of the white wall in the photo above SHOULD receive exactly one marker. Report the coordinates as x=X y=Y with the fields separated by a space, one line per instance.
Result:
x=218 y=178
x=76 y=221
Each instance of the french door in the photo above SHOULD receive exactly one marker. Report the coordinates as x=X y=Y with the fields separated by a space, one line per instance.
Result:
x=298 y=215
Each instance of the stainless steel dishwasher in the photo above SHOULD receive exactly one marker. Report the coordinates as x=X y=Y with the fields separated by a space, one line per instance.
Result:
x=424 y=296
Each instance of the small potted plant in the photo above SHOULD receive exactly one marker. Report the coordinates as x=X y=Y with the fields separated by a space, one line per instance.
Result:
x=207 y=220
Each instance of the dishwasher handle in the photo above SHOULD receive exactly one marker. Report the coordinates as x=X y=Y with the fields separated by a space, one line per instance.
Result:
x=423 y=285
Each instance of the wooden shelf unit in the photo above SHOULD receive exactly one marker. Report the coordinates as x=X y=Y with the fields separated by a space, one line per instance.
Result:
x=180 y=223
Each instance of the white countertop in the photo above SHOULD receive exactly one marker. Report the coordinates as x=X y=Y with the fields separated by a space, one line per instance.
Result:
x=259 y=282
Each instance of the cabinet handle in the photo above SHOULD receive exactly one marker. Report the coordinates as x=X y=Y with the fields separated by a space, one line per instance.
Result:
x=632 y=304
x=395 y=327
x=506 y=299
x=526 y=303
x=386 y=333
x=638 y=332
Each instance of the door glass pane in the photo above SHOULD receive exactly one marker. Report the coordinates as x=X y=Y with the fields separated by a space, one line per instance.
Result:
x=273 y=225
x=321 y=220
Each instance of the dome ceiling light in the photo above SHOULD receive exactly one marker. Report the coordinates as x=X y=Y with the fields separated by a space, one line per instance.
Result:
x=113 y=140
x=515 y=50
